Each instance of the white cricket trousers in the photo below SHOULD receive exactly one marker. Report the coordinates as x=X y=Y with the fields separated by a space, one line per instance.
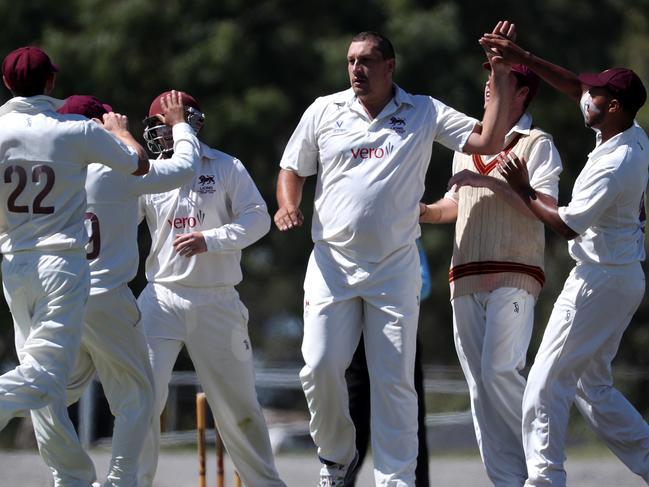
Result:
x=112 y=346
x=573 y=364
x=492 y=332
x=342 y=299
x=46 y=294
x=213 y=324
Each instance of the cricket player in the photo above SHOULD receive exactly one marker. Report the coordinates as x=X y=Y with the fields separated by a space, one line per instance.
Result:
x=369 y=147
x=112 y=343
x=43 y=158
x=496 y=276
x=604 y=223
x=197 y=233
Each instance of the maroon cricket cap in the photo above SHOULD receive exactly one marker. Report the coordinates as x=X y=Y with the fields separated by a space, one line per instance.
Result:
x=86 y=105
x=27 y=69
x=188 y=100
x=623 y=84
x=526 y=76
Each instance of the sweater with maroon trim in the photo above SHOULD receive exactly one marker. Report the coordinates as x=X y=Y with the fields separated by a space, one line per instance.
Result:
x=495 y=245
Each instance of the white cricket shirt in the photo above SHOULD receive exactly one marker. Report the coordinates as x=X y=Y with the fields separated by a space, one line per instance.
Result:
x=607 y=208
x=43 y=162
x=370 y=173
x=224 y=204
x=112 y=213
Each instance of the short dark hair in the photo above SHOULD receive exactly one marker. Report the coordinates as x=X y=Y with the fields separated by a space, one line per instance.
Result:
x=521 y=83
x=383 y=44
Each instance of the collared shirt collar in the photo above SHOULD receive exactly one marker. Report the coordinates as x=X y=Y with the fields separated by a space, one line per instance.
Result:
x=31 y=104
x=522 y=126
x=207 y=152
x=348 y=98
x=614 y=142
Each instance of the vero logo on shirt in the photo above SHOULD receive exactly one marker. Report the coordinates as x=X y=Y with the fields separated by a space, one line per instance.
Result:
x=187 y=222
x=372 y=152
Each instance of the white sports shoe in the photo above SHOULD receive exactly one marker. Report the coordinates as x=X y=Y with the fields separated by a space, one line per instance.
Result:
x=337 y=475
x=330 y=481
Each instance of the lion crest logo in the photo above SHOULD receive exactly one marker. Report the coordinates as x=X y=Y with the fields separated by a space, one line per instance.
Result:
x=205 y=179
x=398 y=124
x=206 y=184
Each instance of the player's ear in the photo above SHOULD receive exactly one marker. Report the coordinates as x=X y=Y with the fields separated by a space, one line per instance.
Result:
x=522 y=92
x=392 y=65
x=614 y=105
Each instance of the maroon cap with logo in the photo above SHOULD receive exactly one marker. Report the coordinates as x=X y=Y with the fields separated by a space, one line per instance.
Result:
x=623 y=84
x=525 y=75
x=86 y=105
x=188 y=100
x=27 y=69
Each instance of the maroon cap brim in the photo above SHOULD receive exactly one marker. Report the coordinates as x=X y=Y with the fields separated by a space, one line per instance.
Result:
x=591 y=79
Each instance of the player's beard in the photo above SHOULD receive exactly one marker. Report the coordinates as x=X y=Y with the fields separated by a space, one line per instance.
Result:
x=595 y=119
x=593 y=116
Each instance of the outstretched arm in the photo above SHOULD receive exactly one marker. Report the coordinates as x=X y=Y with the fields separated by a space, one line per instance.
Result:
x=117 y=124
x=560 y=78
x=489 y=137
x=546 y=210
x=499 y=187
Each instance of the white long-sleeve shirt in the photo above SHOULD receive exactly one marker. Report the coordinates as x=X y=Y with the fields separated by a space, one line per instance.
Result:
x=224 y=204
x=44 y=158
x=112 y=212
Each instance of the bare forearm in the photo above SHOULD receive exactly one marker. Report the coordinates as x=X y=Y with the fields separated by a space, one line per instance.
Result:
x=559 y=78
x=289 y=189
x=143 y=158
x=490 y=137
x=289 y=197
x=545 y=209
x=442 y=211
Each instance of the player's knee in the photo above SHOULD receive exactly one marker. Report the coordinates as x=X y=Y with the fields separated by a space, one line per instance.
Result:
x=594 y=393
x=320 y=371
x=496 y=378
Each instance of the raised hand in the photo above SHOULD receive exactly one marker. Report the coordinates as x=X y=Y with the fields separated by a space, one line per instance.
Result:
x=515 y=172
x=115 y=122
x=505 y=29
x=500 y=44
x=173 y=111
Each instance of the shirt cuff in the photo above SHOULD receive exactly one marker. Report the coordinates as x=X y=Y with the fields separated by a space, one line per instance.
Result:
x=212 y=241
x=562 y=211
x=181 y=129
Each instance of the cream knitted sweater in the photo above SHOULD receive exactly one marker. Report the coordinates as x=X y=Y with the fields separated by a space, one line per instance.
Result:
x=495 y=245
